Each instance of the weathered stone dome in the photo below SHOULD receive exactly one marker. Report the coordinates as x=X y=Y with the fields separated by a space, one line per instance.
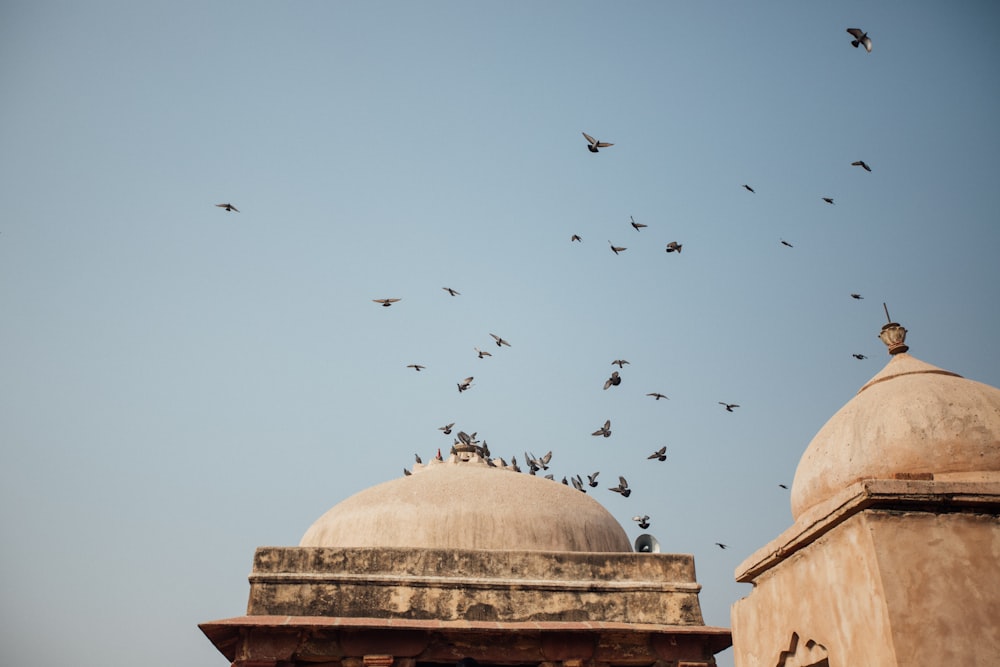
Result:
x=912 y=420
x=466 y=504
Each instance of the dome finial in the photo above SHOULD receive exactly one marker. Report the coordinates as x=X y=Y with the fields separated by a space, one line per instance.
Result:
x=893 y=334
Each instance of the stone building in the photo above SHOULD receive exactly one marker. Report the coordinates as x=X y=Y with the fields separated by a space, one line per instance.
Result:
x=464 y=560
x=894 y=554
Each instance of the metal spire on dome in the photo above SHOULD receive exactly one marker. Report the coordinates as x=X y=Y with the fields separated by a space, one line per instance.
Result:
x=893 y=334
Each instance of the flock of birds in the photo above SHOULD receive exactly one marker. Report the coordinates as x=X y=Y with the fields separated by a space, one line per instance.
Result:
x=537 y=464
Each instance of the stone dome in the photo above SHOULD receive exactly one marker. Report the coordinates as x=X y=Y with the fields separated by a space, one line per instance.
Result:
x=467 y=504
x=912 y=420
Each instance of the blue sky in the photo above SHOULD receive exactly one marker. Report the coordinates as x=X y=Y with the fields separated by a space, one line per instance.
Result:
x=181 y=385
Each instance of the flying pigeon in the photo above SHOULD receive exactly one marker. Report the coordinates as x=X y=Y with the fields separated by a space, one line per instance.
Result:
x=622 y=487
x=446 y=428
x=578 y=483
x=643 y=521
x=856 y=296
x=729 y=406
x=657 y=395
x=828 y=200
x=229 y=208
x=721 y=545
x=786 y=243
x=859 y=356
x=637 y=225
x=451 y=291
x=615 y=248
x=385 y=302
x=500 y=341
x=660 y=454
x=416 y=367
x=620 y=363
x=861 y=163
x=592 y=479
x=614 y=380
x=482 y=353
x=674 y=246
x=861 y=38
x=748 y=187
x=464 y=384
x=784 y=486
x=575 y=237
x=594 y=144
x=604 y=430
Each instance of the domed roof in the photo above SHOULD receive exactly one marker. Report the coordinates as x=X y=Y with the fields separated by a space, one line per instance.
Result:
x=467 y=504
x=911 y=420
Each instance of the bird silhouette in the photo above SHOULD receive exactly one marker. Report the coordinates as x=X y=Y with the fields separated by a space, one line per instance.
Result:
x=446 y=428
x=575 y=237
x=729 y=406
x=622 y=487
x=786 y=243
x=660 y=454
x=721 y=545
x=613 y=381
x=464 y=384
x=657 y=395
x=229 y=208
x=859 y=356
x=482 y=353
x=417 y=458
x=578 y=483
x=643 y=521
x=592 y=479
x=828 y=200
x=861 y=38
x=861 y=163
x=406 y=473
x=615 y=248
x=674 y=246
x=416 y=367
x=451 y=291
x=784 y=486
x=637 y=225
x=604 y=430
x=500 y=341
x=385 y=302
x=855 y=295
x=749 y=189
x=620 y=363
x=594 y=144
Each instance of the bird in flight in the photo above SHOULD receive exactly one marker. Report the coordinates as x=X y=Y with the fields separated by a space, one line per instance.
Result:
x=594 y=144
x=229 y=207
x=385 y=302
x=861 y=163
x=721 y=545
x=592 y=479
x=464 y=384
x=604 y=430
x=861 y=38
x=657 y=395
x=660 y=454
x=637 y=225
x=859 y=356
x=613 y=381
x=784 y=486
x=729 y=406
x=828 y=200
x=500 y=341
x=446 y=428
x=416 y=367
x=748 y=188
x=786 y=243
x=616 y=248
x=451 y=291
x=622 y=487
x=620 y=363
x=643 y=521
x=674 y=246
x=856 y=296
x=482 y=353
x=575 y=237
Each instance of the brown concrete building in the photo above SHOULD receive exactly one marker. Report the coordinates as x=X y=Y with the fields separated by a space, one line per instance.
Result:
x=465 y=560
x=894 y=556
